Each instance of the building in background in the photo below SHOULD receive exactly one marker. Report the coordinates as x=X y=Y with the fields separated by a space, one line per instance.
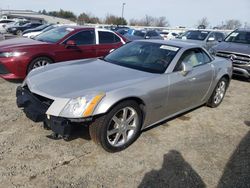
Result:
x=33 y=16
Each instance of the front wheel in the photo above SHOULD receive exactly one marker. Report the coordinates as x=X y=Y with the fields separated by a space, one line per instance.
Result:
x=119 y=128
x=218 y=93
x=19 y=33
x=39 y=62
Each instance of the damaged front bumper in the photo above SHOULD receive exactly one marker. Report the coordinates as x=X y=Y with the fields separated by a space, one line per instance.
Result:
x=35 y=108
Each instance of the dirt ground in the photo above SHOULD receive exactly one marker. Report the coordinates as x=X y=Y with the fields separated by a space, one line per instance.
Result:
x=203 y=148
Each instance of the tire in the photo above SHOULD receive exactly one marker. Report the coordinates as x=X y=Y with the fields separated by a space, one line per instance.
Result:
x=111 y=132
x=218 y=93
x=19 y=33
x=38 y=62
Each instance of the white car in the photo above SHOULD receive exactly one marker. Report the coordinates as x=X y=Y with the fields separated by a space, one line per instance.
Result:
x=168 y=35
x=3 y=24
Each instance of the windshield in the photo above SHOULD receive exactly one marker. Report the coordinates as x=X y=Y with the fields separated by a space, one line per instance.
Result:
x=49 y=28
x=143 y=56
x=54 y=35
x=41 y=27
x=239 y=37
x=195 y=35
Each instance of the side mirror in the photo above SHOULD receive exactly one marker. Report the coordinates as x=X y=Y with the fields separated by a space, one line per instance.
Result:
x=211 y=39
x=70 y=43
x=186 y=68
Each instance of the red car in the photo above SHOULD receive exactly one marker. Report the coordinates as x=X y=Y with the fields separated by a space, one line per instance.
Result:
x=21 y=55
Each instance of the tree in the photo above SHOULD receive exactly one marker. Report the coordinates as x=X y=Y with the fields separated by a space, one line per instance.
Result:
x=115 y=20
x=63 y=14
x=203 y=22
x=232 y=24
x=150 y=21
x=161 y=22
x=87 y=18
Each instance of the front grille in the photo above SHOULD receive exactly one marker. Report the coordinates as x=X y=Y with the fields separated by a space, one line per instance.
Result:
x=3 y=70
x=239 y=59
x=42 y=99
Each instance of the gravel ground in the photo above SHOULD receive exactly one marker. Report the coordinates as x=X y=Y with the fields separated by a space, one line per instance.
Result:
x=203 y=148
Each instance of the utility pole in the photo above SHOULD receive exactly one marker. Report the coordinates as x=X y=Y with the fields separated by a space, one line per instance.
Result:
x=123 y=4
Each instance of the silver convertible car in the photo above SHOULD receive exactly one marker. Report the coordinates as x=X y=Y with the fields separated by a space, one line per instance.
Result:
x=136 y=86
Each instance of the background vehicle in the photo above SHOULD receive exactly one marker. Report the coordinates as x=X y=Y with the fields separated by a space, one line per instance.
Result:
x=18 y=30
x=3 y=24
x=236 y=46
x=1 y=37
x=168 y=35
x=205 y=38
x=15 y=24
x=35 y=33
x=122 y=31
x=133 y=34
x=137 y=86
x=39 y=28
x=19 y=56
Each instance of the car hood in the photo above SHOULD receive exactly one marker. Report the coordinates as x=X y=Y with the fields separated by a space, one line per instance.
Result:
x=18 y=42
x=78 y=78
x=233 y=47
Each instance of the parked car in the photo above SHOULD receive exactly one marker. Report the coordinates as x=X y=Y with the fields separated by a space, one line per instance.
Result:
x=236 y=46
x=3 y=24
x=20 y=55
x=35 y=33
x=16 y=24
x=136 y=86
x=1 y=37
x=18 y=30
x=122 y=31
x=205 y=38
x=168 y=35
x=39 y=28
x=134 y=34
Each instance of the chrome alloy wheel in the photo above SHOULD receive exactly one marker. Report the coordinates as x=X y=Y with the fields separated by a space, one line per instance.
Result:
x=122 y=126
x=220 y=92
x=40 y=63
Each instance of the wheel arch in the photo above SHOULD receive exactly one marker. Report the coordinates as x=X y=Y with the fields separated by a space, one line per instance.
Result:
x=138 y=100
x=39 y=56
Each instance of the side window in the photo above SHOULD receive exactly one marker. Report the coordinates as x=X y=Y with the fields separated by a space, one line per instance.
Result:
x=193 y=57
x=83 y=38
x=219 y=36
x=107 y=37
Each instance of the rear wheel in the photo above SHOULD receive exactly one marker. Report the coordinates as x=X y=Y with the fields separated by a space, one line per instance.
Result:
x=39 y=62
x=218 y=93
x=19 y=32
x=119 y=128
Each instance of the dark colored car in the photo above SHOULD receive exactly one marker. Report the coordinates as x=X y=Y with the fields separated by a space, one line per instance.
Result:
x=236 y=46
x=122 y=31
x=19 y=56
x=18 y=30
x=133 y=34
x=205 y=38
x=39 y=28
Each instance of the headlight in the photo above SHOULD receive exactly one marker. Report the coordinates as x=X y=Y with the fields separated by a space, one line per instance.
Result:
x=81 y=106
x=11 y=54
x=13 y=29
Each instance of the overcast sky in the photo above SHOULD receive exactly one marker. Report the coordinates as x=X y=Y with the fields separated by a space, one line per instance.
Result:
x=177 y=12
